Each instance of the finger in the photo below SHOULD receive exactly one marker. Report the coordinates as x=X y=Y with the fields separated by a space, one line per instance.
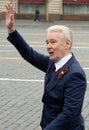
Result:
x=9 y=8
x=3 y=12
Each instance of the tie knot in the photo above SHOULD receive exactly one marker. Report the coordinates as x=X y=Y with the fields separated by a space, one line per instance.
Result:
x=53 y=68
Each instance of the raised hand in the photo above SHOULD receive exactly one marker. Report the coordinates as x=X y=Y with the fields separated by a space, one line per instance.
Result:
x=9 y=12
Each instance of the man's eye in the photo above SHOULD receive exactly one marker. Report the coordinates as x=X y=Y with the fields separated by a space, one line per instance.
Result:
x=53 y=41
x=47 y=42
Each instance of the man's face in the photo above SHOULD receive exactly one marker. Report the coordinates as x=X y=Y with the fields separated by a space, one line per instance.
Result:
x=56 y=46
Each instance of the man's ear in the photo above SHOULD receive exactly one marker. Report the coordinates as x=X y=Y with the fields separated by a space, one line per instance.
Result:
x=68 y=44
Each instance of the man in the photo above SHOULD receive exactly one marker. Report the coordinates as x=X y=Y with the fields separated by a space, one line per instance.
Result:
x=65 y=80
x=37 y=14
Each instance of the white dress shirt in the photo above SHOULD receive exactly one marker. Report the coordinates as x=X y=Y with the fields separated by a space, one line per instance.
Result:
x=61 y=62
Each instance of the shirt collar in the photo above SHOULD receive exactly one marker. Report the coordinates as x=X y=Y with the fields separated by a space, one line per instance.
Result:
x=61 y=62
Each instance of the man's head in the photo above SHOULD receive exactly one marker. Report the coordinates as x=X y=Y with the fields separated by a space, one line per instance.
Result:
x=59 y=42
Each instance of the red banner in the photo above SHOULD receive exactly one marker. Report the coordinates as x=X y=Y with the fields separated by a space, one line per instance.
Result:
x=32 y=1
x=76 y=1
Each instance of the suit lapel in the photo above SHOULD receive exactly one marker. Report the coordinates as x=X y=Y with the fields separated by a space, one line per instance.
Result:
x=47 y=77
x=50 y=84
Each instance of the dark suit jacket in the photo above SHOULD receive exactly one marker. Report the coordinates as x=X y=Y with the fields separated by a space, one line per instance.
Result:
x=63 y=96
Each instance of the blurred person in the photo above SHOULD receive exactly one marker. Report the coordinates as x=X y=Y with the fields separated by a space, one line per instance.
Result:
x=65 y=80
x=37 y=14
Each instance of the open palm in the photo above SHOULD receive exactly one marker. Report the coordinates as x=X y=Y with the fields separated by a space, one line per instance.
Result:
x=9 y=16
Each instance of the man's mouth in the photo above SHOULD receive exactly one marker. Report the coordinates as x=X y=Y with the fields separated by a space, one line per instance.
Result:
x=51 y=53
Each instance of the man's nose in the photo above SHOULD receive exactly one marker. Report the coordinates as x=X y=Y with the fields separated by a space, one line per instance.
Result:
x=49 y=45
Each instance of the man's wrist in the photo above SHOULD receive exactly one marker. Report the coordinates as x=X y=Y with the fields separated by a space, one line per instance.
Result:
x=11 y=30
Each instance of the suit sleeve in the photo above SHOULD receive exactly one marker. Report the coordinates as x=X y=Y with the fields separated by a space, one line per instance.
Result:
x=38 y=60
x=73 y=100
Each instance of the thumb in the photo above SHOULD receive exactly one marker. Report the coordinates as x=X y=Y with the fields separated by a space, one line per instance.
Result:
x=3 y=12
